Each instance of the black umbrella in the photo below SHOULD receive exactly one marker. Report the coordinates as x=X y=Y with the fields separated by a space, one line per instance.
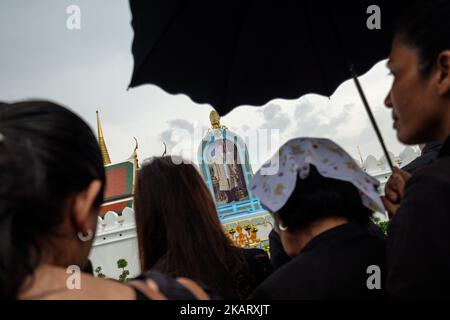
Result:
x=248 y=52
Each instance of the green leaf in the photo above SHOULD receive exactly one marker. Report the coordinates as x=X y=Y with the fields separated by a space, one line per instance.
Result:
x=122 y=263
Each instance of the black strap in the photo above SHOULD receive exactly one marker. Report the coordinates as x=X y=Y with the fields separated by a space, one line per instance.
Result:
x=171 y=288
x=139 y=295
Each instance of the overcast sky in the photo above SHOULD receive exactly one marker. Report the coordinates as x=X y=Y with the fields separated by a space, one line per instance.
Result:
x=90 y=68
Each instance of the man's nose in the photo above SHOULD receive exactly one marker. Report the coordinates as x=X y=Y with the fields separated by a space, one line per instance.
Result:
x=388 y=101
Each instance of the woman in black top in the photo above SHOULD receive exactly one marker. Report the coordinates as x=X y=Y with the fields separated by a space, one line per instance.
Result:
x=322 y=224
x=418 y=235
x=179 y=232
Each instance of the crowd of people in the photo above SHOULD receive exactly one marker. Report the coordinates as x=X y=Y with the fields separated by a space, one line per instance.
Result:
x=324 y=244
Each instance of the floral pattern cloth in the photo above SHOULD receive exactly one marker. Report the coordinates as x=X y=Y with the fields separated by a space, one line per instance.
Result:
x=274 y=183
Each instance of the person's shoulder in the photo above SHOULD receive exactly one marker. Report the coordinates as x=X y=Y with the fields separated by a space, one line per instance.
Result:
x=437 y=173
x=172 y=289
x=273 y=286
x=440 y=165
x=255 y=253
x=93 y=288
x=428 y=186
x=426 y=191
x=293 y=280
x=258 y=262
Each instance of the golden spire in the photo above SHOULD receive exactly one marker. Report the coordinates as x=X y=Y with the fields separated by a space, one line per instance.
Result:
x=215 y=120
x=135 y=155
x=134 y=158
x=101 y=142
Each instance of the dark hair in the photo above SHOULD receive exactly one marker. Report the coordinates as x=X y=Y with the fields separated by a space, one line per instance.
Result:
x=318 y=197
x=425 y=25
x=178 y=228
x=47 y=154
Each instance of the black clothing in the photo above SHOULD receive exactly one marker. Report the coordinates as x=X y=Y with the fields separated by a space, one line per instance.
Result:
x=89 y=268
x=418 y=247
x=258 y=269
x=333 y=265
x=170 y=288
x=139 y=295
x=375 y=230
x=239 y=281
x=429 y=154
x=278 y=256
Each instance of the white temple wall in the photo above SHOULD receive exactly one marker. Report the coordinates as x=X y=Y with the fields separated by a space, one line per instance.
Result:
x=116 y=239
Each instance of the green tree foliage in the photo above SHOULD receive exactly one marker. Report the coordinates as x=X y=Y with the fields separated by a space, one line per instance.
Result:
x=98 y=272
x=122 y=264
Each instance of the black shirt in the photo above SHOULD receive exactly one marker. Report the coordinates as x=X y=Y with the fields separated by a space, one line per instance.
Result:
x=170 y=288
x=429 y=154
x=258 y=269
x=418 y=250
x=333 y=265
x=278 y=256
x=239 y=281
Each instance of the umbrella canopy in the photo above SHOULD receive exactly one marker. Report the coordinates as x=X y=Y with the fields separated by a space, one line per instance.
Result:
x=248 y=52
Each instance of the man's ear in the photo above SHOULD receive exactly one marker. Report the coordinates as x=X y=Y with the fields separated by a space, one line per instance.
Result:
x=443 y=66
x=83 y=204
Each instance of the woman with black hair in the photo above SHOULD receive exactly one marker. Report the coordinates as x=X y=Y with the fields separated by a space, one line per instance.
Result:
x=179 y=231
x=52 y=180
x=322 y=204
x=418 y=236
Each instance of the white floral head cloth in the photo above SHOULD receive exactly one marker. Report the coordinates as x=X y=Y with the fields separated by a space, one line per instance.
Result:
x=274 y=183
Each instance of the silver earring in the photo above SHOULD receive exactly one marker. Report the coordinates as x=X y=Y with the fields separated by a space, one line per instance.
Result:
x=282 y=228
x=87 y=237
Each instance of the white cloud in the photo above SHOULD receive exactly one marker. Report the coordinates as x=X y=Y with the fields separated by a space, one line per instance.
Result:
x=275 y=118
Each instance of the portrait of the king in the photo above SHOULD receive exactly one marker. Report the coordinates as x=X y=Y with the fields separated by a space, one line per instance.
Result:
x=225 y=168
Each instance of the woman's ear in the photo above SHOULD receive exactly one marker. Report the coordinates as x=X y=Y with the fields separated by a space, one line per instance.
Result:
x=278 y=223
x=83 y=205
x=443 y=66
